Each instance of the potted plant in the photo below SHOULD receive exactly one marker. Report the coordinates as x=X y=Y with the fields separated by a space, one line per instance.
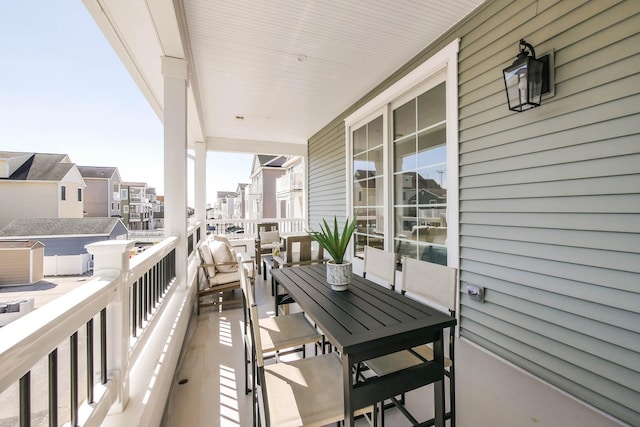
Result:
x=335 y=243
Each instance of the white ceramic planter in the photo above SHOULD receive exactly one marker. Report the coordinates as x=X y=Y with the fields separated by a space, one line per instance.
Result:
x=339 y=275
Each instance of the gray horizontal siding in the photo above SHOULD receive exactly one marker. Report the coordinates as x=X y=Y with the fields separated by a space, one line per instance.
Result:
x=68 y=245
x=595 y=390
x=327 y=188
x=550 y=198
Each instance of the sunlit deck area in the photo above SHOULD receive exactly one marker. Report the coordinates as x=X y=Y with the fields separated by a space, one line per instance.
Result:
x=213 y=394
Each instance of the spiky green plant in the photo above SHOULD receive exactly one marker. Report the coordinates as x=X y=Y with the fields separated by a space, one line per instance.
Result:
x=334 y=241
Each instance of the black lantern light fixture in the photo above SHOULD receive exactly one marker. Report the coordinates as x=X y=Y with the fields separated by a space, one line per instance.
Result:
x=524 y=79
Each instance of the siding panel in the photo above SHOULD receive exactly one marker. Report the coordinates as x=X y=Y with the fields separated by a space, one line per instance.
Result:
x=550 y=202
x=327 y=188
x=513 y=349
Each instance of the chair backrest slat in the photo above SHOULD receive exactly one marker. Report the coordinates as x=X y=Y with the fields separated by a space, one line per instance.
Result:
x=433 y=282
x=267 y=226
x=300 y=250
x=381 y=264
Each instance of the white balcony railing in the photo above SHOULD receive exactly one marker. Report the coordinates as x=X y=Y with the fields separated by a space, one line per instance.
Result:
x=249 y=227
x=133 y=315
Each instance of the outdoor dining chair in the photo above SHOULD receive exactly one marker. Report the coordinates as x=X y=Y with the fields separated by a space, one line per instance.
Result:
x=434 y=285
x=300 y=250
x=303 y=392
x=381 y=264
x=268 y=236
x=288 y=333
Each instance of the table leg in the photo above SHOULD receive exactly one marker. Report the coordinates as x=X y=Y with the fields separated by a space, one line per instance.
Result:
x=438 y=386
x=348 y=386
x=274 y=287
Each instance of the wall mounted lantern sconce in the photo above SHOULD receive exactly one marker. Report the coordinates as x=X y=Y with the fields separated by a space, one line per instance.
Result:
x=527 y=79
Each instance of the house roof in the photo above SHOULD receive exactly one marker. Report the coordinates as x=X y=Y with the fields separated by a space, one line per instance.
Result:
x=225 y=194
x=40 y=166
x=32 y=227
x=97 y=172
x=20 y=244
x=261 y=161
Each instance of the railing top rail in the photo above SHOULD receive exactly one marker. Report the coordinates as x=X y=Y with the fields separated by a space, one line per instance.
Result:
x=25 y=341
x=143 y=262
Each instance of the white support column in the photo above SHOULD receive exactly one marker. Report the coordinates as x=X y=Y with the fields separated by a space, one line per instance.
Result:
x=174 y=71
x=111 y=262
x=200 y=184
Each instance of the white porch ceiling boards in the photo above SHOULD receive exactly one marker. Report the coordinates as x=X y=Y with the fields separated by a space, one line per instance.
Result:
x=245 y=56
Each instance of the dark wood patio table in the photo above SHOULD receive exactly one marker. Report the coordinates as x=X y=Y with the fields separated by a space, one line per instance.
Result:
x=368 y=321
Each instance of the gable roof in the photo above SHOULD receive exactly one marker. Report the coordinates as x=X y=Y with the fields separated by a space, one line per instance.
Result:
x=32 y=227
x=97 y=172
x=40 y=166
x=20 y=244
x=264 y=161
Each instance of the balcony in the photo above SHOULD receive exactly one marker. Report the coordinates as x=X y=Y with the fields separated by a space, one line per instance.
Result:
x=145 y=358
x=289 y=182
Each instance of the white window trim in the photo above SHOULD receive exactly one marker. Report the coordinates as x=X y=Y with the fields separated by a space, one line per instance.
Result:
x=445 y=61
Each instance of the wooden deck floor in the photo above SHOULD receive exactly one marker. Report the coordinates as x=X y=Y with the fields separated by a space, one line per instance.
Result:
x=489 y=392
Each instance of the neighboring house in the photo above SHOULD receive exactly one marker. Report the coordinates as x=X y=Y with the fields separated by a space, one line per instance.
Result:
x=240 y=203
x=21 y=262
x=102 y=195
x=38 y=185
x=136 y=208
x=65 y=239
x=290 y=189
x=262 y=193
x=541 y=207
x=157 y=205
x=225 y=204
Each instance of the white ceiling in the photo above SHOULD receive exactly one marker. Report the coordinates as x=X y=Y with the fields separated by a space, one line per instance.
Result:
x=287 y=67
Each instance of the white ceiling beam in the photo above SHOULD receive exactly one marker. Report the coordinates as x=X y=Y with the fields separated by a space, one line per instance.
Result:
x=231 y=145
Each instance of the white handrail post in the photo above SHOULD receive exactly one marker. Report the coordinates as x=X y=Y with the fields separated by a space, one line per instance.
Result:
x=111 y=262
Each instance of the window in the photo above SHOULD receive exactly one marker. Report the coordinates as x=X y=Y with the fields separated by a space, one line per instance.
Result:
x=124 y=194
x=125 y=209
x=63 y=193
x=79 y=194
x=404 y=164
x=368 y=185
x=420 y=177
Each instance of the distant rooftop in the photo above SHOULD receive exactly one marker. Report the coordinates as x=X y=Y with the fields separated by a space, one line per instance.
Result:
x=37 y=166
x=40 y=227
x=97 y=171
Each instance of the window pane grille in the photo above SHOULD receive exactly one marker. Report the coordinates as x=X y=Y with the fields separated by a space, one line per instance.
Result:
x=420 y=176
x=368 y=185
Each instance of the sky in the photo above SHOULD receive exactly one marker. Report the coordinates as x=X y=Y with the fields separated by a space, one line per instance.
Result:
x=64 y=90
